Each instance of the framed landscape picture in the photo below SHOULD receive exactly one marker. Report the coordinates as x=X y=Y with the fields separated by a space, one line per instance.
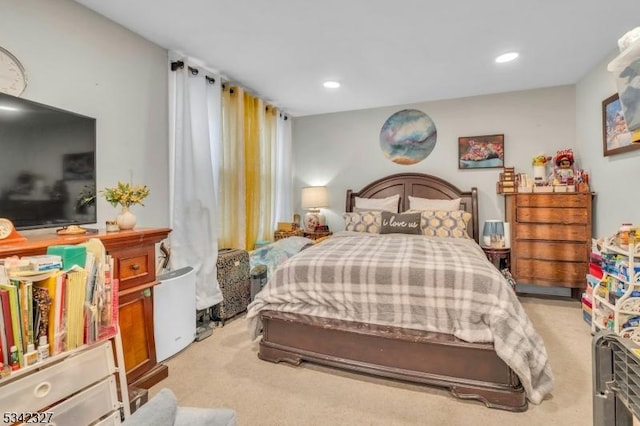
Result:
x=616 y=137
x=481 y=152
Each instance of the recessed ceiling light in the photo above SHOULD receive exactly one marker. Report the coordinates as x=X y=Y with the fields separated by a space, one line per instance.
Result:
x=331 y=84
x=507 y=57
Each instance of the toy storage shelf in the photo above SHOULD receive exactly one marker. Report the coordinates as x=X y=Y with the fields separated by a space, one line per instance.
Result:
x=616 y=297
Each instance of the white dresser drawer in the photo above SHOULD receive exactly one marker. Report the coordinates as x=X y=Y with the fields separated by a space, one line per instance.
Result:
x=43 y=388
x=88 y=406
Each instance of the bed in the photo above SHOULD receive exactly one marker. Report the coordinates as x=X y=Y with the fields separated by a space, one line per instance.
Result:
x=300 y=330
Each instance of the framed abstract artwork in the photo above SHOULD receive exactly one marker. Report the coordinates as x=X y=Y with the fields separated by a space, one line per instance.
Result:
x=481 y=152
x=616 y=137
x=408 y=137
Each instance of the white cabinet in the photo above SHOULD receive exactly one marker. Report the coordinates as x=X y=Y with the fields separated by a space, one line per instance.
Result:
x=74 y=388
x=616 y=297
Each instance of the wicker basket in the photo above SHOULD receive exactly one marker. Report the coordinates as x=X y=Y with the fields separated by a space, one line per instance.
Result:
x=278 y=235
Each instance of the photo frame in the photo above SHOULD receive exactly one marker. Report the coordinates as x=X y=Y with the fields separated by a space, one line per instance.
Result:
x=80 y=166
x=616 y=137
x=481 y=152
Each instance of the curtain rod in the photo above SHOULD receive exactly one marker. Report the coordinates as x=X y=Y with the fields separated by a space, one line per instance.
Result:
x=194 y=71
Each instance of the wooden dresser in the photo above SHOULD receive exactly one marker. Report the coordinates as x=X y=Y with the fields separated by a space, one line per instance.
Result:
x=134 y=254
x=550 y=238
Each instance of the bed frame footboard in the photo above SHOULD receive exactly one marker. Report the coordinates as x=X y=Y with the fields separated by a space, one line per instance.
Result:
x=469 y=370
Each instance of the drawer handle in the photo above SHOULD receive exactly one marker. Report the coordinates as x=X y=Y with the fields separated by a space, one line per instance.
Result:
x=42 y=390
x=135 y=267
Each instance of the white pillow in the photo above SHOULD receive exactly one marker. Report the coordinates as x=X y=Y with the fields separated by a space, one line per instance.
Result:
x=389 y=204
x=416 y=203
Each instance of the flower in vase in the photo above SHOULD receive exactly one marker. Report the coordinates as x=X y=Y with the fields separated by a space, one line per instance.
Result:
x=540 y=160
x=125 y=194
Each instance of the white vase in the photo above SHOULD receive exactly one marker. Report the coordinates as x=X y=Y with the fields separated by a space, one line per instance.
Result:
x=540 y=174
x=126 y=219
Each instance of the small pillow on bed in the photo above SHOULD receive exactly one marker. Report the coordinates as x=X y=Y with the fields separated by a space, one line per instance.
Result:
x=369 y=221
x=388 y=204
x=416 y=203
x=441 y=223
x=405 y=223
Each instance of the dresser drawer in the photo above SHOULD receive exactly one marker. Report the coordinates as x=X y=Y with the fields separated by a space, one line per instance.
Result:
x=576 y=200
x=563 y=274
x=551 y=215
x=566 y=252
x=555 y=232
x=134 y=266
x=43 y=388
x=87 y=406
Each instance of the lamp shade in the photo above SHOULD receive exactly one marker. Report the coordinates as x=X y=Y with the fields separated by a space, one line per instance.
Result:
x=314 y=197
x=493 y=233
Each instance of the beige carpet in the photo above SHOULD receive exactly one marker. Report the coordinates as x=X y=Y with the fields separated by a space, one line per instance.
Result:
x=224 y=371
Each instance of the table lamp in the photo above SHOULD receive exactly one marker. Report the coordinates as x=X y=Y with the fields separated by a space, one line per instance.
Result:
x=493 y=234
x=314 y=197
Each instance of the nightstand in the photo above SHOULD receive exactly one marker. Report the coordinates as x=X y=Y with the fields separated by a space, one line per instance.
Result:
x=500 y=257
x=317 y=235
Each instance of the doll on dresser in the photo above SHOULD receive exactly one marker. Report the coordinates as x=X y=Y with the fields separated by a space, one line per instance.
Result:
x=564 y=173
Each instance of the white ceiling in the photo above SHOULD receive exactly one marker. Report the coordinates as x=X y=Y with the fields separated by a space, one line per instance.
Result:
x=383 y=52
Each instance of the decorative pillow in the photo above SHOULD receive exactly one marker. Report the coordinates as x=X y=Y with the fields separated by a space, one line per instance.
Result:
x=388 y=204
x=369 y=221
x=441 y=223
x=405 y=223
x=416 y=203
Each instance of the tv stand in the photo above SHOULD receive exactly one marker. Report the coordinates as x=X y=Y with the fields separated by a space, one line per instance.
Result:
x=134 y=254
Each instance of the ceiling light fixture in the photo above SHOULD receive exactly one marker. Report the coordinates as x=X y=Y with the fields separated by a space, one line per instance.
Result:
x=331 y=84
x=507 y=57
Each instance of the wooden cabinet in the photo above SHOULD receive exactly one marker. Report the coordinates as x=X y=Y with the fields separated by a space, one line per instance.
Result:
x=134 y=265
x=550 y=238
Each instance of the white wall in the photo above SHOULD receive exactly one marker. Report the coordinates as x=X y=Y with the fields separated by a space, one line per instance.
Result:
x=342 y=150
x=615 y=178
x=79 y=61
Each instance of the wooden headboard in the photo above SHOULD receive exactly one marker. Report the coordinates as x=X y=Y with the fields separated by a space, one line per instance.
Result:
x=423 y=186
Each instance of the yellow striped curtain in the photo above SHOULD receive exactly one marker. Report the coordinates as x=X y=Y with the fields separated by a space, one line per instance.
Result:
x=252 y=137
x=247 y=172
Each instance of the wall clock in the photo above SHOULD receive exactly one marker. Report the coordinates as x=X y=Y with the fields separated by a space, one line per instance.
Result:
x=13 y=78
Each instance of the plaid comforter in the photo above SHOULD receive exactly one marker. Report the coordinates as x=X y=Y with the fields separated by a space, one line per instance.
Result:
x=442 y=285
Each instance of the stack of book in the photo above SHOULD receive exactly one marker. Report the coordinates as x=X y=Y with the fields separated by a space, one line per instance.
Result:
x=508 y=183
x=54 y=309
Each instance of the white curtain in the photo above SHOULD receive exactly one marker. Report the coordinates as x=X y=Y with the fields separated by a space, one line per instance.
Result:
x=194 y=126
x=284 y=180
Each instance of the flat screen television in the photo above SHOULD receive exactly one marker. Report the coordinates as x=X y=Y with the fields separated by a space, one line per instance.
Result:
x=47 y=165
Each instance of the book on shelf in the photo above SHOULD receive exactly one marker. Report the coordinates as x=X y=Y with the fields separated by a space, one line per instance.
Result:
x=45 y=262
x=16 y=323
x=6 y=316
x=74 y=301
x=4 y=349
